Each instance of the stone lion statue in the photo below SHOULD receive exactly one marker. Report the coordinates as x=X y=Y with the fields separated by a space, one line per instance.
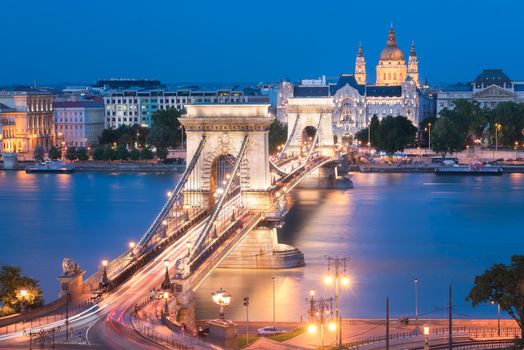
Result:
x=70 y=268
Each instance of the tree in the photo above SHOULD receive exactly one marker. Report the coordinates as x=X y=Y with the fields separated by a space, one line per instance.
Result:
x=124 y=135
x=146 y=154
x=446 y=138
x=99 y=153
x=38 y=153
x=277 y=135
x=12 y=281
x=54 y=153
x=109 y=153
x=161 y=153
x=165 y=129
x=71 y=153
x=364 y=135
x=504 y=285
x=121 y=152
x=134 y=154
x=394 y=134
x=81 y=153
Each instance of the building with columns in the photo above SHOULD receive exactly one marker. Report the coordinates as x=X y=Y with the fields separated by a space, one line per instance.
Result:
x=353 y=100
x=489 y=88
x=27 y=121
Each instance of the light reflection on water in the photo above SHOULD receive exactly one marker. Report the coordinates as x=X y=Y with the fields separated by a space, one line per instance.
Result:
x=393 y=226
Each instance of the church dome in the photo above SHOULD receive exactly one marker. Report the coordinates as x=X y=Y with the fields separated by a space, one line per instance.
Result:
x=391 y=52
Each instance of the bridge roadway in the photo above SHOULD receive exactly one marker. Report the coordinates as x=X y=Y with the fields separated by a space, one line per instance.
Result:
x=116 y=309
x=108 y=324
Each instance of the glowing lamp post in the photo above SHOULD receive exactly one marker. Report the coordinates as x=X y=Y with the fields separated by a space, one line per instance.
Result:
x=166 y=306
x=166 y=284
x=222 y=299
x=320 y=315
x=105 y=279
x=132 y=246
x=340 y=277
x=426 y=338
x=23 y=299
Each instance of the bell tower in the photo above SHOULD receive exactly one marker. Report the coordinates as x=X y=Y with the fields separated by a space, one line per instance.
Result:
x=413 y=65
x=360 y=67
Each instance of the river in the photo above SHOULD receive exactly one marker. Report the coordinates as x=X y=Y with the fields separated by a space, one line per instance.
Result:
x=393 y=227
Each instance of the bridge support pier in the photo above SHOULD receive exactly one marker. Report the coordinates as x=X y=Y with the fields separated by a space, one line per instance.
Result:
x=260 y=250
x=326 y=177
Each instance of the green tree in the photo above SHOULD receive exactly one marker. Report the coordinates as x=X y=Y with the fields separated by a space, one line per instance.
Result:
x=124 y=135
x=510 y=116
x=71 y=153
x=109 y=153
x=363 y=135
x=12 y=282
x=394 y=134
x=146 y=154
x=504 y=285
x=38 y=153
x=121 y=152
x=81 y=153
x=99 y=153
x=166 y=131
x=446 y=137
x=161 y=153
x=277 y=135
x=134 y=154
x=54 y=153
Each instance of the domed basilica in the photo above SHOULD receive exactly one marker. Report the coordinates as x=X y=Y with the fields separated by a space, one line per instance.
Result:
x=351 y=100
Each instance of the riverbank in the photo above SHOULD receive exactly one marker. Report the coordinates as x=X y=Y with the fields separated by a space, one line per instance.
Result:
x=114 y=166
x=421 y=168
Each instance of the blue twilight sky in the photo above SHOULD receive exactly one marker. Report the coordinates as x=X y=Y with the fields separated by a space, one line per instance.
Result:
x=267 y=40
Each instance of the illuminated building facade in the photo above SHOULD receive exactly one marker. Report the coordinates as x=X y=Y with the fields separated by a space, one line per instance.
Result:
x=353 y=101
x=489 y=88
x=27 y=121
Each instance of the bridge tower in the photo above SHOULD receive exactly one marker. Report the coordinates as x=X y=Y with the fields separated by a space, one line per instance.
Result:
x=224 y=127
x=313 y=113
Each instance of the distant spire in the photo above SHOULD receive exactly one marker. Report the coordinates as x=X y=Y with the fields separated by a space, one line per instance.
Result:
x=412 y=53
x=392 y=41
x=360 y=53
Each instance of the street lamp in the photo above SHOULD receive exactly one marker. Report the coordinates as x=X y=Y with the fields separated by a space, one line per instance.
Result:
x=246 y=304
x=497 y=128
x=23 y=297
x=429 y=137
x=426 y=338
x=274 y=304
x=416 y=305
x=320 y=312
x=166 y=284
x=166 y=307
x=340 y=277
x=132 y=246
x=105 y=279
x=498 y=316
x=222 y=299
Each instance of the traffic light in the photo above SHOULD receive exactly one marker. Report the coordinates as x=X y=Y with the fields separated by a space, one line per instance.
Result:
x=246 y=301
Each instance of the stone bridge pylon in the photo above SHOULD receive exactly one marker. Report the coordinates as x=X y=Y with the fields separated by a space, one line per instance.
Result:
x=226 y=129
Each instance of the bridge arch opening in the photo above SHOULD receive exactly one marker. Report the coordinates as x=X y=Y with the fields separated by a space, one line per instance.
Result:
x=221 y=173
x=308 y=136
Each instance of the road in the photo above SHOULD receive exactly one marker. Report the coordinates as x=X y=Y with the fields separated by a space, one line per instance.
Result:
x=108 y=323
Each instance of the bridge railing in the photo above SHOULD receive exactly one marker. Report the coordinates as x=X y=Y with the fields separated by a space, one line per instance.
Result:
x=219 y=252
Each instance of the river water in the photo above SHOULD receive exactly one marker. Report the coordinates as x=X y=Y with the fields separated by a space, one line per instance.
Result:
x=393 y=227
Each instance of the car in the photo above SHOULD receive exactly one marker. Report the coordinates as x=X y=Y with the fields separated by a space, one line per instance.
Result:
x=269 y=330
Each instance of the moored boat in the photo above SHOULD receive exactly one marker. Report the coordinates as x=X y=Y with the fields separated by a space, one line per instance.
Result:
x=50 y=166
x=475 y=169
